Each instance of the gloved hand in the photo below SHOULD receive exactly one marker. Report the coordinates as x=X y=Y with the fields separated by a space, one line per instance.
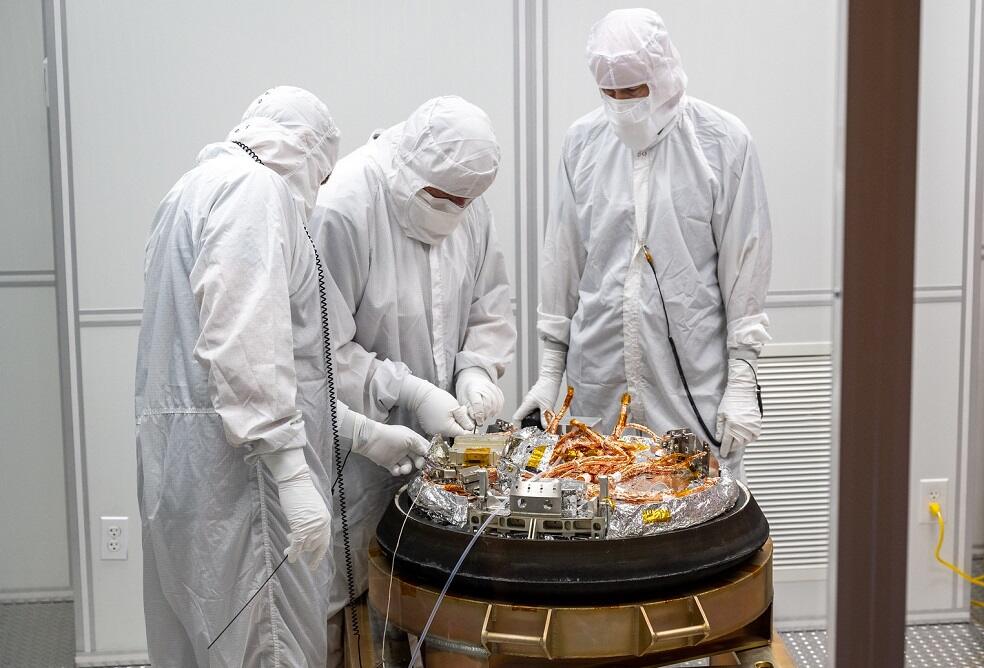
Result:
x=302 y=503
x=436 y=410
x=739 y=421
x=396 y=448
x=477 y=391
x=543 y=394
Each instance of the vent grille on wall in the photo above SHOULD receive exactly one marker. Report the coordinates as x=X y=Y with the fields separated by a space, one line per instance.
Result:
x=788 y=469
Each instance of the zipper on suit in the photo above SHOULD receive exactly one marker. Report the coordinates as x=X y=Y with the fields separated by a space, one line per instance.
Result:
x=632 y=296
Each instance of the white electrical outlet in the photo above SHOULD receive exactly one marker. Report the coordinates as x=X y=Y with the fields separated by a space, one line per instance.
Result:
x=930 y=490
x=114 y=537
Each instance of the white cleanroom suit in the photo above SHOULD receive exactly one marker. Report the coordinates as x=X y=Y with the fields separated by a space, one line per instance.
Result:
x=423 y=299
x=425 y=292
x=233 y=408
x=690 y=189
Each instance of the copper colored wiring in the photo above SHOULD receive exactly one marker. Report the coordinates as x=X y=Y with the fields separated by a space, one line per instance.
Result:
x=644 y=430
x=623 y=416
x=554 y=423
x=580 y=441
x=594 y=466
x=583 y=454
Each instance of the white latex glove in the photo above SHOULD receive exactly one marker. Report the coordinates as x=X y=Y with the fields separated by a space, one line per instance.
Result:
x=479 y=394
x=396 y=448
x=436 y=410
x=543 y=394
x=302 y=503
x=739 y=421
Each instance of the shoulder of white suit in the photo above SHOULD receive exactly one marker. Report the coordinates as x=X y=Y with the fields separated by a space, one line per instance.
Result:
x=354 y=175
x=585 y=131
x=256 y=180
x=712 y=123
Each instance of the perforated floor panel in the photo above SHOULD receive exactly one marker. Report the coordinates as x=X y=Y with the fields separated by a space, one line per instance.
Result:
x=37 y=634
x=928 y=646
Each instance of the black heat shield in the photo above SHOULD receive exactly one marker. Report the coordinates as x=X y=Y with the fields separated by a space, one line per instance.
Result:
x=572 y=572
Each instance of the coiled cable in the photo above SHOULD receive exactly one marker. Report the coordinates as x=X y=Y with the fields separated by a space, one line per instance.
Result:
x=336 y=444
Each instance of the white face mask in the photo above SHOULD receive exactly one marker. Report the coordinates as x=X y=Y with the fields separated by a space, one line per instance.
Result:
x=430 y=218
x=636 y=123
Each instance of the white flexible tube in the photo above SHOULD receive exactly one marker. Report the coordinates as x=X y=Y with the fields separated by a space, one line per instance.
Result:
x=389 y=590
x=454 y=571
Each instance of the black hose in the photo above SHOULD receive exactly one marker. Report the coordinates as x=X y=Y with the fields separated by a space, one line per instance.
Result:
x=679 y=364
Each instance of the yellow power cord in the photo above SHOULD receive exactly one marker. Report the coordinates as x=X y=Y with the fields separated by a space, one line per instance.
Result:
x=937 y=512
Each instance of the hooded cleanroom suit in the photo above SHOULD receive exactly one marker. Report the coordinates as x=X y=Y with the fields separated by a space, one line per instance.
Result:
x=230 y=370
x=414 y=298
x=695 y=196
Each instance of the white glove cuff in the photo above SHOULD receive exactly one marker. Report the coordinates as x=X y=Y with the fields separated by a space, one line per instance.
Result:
x=747 y=335
x=353 y=428
x=553 y=363
x=743 y=363
x=285 y=464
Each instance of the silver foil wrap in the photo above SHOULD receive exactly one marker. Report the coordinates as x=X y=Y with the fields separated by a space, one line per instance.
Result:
x=626 y=519
x=649 y=519
x=439 y=504
x=574 y=499
x=532 y=450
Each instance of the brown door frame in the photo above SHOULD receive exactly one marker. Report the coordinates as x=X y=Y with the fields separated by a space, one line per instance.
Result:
x=876 y=335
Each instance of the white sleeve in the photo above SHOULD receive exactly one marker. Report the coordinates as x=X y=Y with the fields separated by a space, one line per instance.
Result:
x=369 y=385
x=240 y=282
x=490 y=339
x=563 y=259
x=744 y=237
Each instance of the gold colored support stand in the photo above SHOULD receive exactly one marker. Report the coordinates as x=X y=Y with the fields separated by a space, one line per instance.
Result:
x=727 y=617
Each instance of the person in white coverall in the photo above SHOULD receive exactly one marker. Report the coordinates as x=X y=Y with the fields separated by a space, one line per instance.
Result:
x=236 y=419
x=423 y=322
x=653 y=168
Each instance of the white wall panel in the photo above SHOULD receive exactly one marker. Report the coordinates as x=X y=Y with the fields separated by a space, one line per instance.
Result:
x=773 y=64
x=935 y=420
x=25 y=225
x=976 y=497
x=798 y=324
x=109 y=358
x=801 y=598
x=151 y=83
x=942 y=153
x=33 y=520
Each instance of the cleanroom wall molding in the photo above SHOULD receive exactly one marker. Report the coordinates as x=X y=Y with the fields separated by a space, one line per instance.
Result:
x=27 y=279
x=102 y=659
x=66 y=273
x=110 y=317
x=130 y=317
x=38 y=596
x=529 y=74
